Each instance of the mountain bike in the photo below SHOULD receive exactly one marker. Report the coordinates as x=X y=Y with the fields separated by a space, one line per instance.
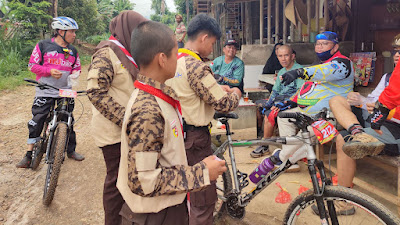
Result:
x=315 y=206
x=54 y=138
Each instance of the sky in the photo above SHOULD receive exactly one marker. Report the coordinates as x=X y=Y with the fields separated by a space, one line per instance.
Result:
x=143 y=7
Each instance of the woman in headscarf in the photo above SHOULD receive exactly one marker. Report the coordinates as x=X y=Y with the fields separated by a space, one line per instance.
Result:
x=272 y=63
x=110 y=84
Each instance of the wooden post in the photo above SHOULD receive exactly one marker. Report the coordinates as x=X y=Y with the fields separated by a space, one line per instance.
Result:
x=262 y=21
x=284 y=22
x=309 y=20
x=299 y=31
x=187 y=11
x=334 y=16
x=269 y=21
x=248 y=28
x=276 y=21
x=326 y=14
x=291 y=32
x=317 y=16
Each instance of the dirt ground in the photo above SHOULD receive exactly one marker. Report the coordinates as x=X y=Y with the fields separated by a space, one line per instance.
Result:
x=78 y=197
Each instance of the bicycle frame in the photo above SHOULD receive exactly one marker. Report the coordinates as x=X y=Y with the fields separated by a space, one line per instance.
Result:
x=305 y=140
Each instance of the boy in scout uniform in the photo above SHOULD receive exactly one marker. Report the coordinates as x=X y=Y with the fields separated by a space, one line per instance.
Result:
x=200 y=95
x=154 y=176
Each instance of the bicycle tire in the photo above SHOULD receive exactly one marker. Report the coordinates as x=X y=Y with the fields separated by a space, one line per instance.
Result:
x=56 y=158
x=368 y=210
x=39 y=149
x=222 y=190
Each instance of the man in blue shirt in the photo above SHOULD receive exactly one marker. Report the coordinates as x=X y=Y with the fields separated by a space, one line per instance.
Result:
x=229 y=69
x=278 y=100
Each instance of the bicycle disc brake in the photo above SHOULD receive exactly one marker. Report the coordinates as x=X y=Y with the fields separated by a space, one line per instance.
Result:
x=233 y=208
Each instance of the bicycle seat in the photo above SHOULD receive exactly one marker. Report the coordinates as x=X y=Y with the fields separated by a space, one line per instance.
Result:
x=232 y=115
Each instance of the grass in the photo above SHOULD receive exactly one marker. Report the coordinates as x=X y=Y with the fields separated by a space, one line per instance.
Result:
x=12 y=82
x=13 y=72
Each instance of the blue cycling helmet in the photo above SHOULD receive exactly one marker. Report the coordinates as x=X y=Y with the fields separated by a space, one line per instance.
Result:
x=328 y=35
x=64 y=23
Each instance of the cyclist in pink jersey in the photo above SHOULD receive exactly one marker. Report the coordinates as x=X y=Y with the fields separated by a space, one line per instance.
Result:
x=52 y=60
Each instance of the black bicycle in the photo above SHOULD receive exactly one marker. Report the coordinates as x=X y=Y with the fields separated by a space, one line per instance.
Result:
x=53 y=139
x=323 y=199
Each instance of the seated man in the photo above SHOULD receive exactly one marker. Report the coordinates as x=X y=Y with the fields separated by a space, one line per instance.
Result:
x=334 y=76
x=278 y=99
x=229 y=69
x=366 y=141
x=358 y=107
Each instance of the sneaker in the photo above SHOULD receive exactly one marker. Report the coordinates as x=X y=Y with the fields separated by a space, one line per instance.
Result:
x=342 y=208
x=25 y=162
x=361 y=145
x=259 y=151
x=76 y=156
x=292 y=169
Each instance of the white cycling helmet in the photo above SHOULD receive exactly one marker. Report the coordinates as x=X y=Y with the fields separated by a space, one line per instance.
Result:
x=64 y=23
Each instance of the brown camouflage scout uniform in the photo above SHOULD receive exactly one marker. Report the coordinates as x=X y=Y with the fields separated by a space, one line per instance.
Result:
x=154 y=176
x=199 y=95
x=109 y=88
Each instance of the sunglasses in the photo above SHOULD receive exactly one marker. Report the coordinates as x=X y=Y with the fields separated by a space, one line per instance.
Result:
x=395 y=51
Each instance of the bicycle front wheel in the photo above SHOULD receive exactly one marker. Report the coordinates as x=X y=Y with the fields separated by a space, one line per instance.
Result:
x=55 y=160
x=352 y=207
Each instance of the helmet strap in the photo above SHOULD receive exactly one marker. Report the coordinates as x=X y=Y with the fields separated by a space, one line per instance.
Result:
x=63 y=36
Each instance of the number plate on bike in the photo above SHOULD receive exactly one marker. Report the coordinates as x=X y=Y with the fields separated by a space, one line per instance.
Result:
x=67 y=93
x=324 y=131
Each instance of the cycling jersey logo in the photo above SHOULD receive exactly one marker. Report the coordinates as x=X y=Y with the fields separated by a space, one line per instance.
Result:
x=308 y=87
x=52 y=53
x=60 y=62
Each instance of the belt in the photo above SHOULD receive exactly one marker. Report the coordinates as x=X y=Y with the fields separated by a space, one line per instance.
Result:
x=192 y=127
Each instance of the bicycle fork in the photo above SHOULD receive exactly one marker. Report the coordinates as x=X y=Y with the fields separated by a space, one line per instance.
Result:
x=319 y=192
x=52 y=128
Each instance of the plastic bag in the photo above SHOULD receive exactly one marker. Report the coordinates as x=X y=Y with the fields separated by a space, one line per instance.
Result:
x=73 y=79
x=283 y=196
x=302 y=189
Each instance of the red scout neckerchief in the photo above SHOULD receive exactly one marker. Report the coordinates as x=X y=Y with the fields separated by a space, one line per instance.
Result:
x=157 y=92
x=128 y=55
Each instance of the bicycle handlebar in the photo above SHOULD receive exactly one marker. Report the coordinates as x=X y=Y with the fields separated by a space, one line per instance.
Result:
x=303 y=120
x=46 y=86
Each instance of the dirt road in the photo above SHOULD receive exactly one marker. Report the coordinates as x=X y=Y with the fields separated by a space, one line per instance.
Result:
x=78 y=197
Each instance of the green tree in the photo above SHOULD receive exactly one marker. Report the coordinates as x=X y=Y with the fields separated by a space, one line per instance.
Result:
x=85 y=12
x=121 y=5
x=33 y=16
x=167 y=18
x=181 y=8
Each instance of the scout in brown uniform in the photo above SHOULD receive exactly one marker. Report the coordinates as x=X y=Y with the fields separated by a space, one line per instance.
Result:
x=110 y=84
x=154 y=176
x=200 y=95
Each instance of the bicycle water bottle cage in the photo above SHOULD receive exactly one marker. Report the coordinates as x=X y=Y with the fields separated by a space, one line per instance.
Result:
x=242 y=177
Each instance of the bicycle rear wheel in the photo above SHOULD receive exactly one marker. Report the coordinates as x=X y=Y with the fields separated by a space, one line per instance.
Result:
x=224 y=186
x=367 y=209
x=39 y=148
x=55 y=160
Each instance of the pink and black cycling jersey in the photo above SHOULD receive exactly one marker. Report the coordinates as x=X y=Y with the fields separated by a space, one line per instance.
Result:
x=48 y=55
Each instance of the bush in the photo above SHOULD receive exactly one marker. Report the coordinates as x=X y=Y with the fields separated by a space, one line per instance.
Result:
x=14 y=57
x=96 y=39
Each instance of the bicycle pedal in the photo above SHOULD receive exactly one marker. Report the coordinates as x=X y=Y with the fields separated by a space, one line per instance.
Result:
x=243 y=184
x=242 y=177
